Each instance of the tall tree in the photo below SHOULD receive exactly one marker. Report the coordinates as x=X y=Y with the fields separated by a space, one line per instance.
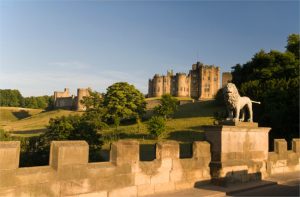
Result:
x=124 y=101
x=273 y=79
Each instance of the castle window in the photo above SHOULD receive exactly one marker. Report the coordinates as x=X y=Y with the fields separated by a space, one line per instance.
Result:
x=180 y=88
x=159 y=81
x=187 y=89
x=158 y=89
x=208 y=78
x=215 y=79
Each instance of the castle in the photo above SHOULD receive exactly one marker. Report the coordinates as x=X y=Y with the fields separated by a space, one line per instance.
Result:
x=202 y=82
x=64 y=100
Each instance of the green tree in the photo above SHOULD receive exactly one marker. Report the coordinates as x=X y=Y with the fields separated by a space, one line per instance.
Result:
x=156 y=126
x=168 y=106
x=11 y=98
x=293 y=44
x=74 y=128
x=273 y=79
x=123 y=101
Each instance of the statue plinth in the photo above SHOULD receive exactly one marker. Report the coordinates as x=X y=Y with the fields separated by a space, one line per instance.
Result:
x=238 y=123
x=239 y=152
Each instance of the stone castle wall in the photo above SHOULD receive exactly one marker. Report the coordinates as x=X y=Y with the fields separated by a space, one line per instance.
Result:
x=70 y=174
x=226 y=77
x=202 y=82
x=63 y=100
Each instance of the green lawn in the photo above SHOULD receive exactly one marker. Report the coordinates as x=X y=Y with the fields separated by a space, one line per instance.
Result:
x=186 y=126
x=23 y=121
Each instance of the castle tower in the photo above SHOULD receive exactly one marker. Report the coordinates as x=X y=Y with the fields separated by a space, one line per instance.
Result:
x=81 y=92
x=226 y=77
x=183 y=85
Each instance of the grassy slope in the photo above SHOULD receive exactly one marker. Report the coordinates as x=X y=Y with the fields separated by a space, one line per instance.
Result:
x=185 y=127
x=35 y=122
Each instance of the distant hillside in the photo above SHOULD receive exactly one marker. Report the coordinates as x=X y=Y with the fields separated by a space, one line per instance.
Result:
x=14 y=119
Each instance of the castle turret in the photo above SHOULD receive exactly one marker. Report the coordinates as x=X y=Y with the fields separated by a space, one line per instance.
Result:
x=183 y=85
x=81 y=92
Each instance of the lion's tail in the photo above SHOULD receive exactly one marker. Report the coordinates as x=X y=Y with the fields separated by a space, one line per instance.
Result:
x=255 y=102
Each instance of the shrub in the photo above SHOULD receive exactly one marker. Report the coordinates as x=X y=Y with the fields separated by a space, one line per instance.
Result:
x=156 y=126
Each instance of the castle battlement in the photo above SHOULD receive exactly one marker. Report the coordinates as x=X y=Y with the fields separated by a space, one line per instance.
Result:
x=70 y=174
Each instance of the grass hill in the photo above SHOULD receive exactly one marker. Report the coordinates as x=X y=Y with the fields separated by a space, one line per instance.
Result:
x=184 y=127
x=28 y=121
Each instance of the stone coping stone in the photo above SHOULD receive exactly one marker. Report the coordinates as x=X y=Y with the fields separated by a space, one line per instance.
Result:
x=238 y=123
x=225 y=128
x=9 y=144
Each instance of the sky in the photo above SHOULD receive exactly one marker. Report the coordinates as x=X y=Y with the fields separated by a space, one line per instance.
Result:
x=49 y=45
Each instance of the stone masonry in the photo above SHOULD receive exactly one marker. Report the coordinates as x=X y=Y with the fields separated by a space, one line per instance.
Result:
x=70 y=174
x=202 y=82
x=64 y=100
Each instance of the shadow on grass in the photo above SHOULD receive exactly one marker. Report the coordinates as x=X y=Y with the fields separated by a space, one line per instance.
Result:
x=198 y=109
x=21 y=114
x=27 y=132
x=186 y=136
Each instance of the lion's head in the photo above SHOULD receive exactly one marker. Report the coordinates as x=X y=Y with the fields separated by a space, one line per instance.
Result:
x=231 y=94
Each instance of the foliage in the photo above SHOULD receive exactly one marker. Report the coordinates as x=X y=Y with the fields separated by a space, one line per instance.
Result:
x=123 y=101
x=273 y=79
x=13 y=98
x=293 y=44
x=156 y=126
x=75 y=128
x=168 y=106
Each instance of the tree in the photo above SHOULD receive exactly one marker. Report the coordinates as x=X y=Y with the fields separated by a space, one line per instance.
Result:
x=74 y=128
x=293 y=44
x=123 y=101
x=156 y=126
x=168 y=106
x=273 y=79
x=11 y=98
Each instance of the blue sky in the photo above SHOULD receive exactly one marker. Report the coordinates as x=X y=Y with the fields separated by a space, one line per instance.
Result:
x=49 y=45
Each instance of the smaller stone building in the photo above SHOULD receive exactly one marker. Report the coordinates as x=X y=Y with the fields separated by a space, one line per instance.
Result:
x=63 y=100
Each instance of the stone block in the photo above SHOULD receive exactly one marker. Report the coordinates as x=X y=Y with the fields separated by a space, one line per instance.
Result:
x=144 y=190
x=124 y=192
x=201 y=149
x=164 y=187
x=66 y=153
x=176 y=175
x=125 y=152
x=280 y=146
x=94 y=194
x=181 y=185
x=296 y=145
x=167 y=149
x=161 y=177
x=141 y=179
x=9 y=155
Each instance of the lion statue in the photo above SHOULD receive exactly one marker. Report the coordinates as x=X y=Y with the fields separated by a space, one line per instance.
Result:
x=236 y=103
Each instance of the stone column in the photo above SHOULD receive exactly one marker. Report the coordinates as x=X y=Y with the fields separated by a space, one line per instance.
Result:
x=239 y=152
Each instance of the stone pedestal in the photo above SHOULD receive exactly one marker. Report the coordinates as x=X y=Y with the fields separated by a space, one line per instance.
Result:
x=239 y=152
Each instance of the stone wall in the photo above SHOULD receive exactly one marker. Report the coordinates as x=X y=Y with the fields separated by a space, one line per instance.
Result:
x=70 y=174
x=283 y=160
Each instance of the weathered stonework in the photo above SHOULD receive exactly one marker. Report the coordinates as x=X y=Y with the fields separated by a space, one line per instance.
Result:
x=70 y=174
x=238 y=153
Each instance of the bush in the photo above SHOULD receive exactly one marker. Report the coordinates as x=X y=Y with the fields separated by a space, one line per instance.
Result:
x=156 y=126
x=168 y=106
